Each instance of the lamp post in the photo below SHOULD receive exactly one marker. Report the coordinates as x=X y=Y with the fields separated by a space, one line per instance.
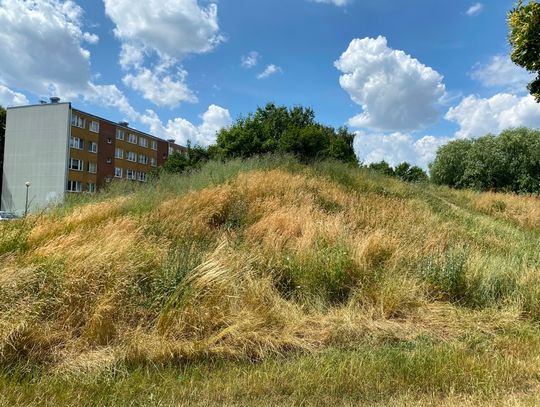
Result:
x=26 y=203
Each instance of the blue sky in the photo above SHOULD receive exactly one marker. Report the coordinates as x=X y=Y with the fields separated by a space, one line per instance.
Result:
x=407 y=76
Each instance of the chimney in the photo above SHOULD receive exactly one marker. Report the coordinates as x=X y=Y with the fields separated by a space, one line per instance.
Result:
x=54 y=99
x=123 y=124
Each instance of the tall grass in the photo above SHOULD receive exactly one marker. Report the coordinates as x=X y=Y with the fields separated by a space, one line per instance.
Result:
x=264 y=258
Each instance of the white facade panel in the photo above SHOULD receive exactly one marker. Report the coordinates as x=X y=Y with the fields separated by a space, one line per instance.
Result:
x=36 y=151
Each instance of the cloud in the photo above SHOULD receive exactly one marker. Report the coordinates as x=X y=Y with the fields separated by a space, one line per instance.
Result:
x=475 y=9
x=168 y=31
x=500 y=71
x=397 y=93
x=396 y=148
x=41 y=43
x=477 y=117
x=9 y=97
x=269 y=71
x=339 y=3
x=175 y=28
x=162 y=90
x=250 y=60
x=213 y=120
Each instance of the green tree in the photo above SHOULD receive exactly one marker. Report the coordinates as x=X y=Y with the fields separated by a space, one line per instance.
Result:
x=524 y=24
x=280 y=129
x=449 y=164
x=408 y=173
x=382 y=167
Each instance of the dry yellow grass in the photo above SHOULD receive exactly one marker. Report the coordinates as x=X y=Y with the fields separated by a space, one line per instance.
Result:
x=269 y=263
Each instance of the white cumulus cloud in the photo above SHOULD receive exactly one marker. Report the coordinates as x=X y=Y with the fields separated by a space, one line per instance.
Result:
x=9 y=97
x=182 y=130
x=500 y=71
x=269 y=71
x=162 y=90
x=172 y=27
x=395 y=148
x=41 y=43
x=477 y=117
x=396 y=92
x=475 y=9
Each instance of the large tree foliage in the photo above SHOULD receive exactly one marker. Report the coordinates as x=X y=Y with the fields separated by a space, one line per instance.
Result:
x=277 y=129
x=404 y=171
x=508 y=162
x=524 y=23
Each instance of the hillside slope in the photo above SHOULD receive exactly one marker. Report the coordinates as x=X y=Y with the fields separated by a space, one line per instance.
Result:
x=263 y=258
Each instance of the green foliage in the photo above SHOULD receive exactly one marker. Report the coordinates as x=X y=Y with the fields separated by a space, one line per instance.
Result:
x=403 y=171
x=508 y=162
x=181 y=162
x=277 y=129
x=524 y=23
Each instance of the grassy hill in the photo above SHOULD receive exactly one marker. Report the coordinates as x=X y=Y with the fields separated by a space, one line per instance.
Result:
x=266 y=282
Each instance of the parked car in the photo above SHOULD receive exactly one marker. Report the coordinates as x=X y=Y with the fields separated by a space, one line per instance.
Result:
x=7 y=216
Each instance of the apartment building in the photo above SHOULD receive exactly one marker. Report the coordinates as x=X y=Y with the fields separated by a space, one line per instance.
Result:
x=58 y=150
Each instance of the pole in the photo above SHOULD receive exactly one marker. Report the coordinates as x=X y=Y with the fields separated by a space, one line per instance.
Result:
x=26 y=203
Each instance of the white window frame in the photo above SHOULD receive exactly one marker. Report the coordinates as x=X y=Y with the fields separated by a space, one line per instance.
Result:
x=131 y=156
x=74 y=186
x=77 y=143
x=91 y=187
x=132 y=138
x=141 y=176
x=94 y=165
x=153 y=162
x=143 y=159
x=118 y=153
x=143 y=141
x=80 y=164
x=78 y=121
x=153 y=144
x=118 y=172
x=94 y=126
x=92 y=147
x=120 y=135
x=131 y=175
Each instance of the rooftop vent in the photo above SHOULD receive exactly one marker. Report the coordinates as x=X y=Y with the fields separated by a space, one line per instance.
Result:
x=171 y=140
x=54 y=99
x=124 y=124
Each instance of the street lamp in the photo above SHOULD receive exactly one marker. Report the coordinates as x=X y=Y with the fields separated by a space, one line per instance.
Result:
x=26 y=203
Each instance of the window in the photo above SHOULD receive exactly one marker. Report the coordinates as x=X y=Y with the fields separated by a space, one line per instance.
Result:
x=132 y=138
x=76 y=142
x=131 y=156
x=143 y=159
x=109 y=160
x=153 y=162
x=76 y=165
x=91 y=188
x=109 y=140
x=92 y=146
x=92 y=168
x=77 y=121
x=143 y=142
x=118 y=172
x=118 y=153
x=171 y=150
x=154 y=144
x=94 y=126
x=142 y=176
x=130 y=174
x=74 y=186
x=119 y=134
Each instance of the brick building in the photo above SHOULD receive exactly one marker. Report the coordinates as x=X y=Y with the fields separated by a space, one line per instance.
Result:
x=59 y=150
